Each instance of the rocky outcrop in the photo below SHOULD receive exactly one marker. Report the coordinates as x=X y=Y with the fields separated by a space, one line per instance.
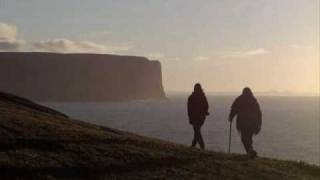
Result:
x=80 y=77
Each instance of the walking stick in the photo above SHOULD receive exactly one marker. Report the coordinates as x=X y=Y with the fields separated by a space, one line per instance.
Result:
x=230 y=137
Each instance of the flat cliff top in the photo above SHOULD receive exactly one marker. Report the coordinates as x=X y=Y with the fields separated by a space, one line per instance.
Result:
x=40 y=143
x=11 y=55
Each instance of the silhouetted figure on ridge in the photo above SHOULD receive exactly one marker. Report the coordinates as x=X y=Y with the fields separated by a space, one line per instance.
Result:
x=197 y=112
x=249 y=118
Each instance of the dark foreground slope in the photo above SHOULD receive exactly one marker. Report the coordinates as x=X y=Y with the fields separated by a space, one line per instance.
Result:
x=80 y=77
x=39 y=143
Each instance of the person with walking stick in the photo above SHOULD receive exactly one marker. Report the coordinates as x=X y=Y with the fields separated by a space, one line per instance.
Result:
x=249 y=119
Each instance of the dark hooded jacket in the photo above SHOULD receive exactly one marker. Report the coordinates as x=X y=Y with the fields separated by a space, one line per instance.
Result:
x=247 y=109
x=197 y=107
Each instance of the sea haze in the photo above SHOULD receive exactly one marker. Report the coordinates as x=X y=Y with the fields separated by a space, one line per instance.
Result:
x=290 y=126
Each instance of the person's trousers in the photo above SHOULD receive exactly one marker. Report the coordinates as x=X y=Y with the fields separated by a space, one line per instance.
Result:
x=197 y=138
x=246 y=138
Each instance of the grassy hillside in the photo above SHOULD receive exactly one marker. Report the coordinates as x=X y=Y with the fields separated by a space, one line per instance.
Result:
x=40 y=143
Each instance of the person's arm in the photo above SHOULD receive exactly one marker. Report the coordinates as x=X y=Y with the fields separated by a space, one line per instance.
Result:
x=233 y=111
x=189 y=109
x=259 y=120
x=206 y=106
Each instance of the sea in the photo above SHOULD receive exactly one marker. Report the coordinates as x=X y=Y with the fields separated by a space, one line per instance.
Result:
x=290 y=124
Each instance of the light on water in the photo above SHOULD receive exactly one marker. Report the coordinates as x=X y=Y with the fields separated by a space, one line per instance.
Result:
x=290 y=125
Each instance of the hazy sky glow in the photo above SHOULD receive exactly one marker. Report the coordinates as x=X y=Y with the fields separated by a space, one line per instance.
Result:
x=225 y=45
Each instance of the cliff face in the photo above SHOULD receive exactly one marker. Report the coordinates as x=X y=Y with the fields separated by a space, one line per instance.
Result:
x=80 y=77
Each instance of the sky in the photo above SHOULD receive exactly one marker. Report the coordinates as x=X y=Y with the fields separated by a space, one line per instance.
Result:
x=268 y=45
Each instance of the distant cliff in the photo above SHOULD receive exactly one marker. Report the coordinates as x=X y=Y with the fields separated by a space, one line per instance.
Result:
x=80 y=77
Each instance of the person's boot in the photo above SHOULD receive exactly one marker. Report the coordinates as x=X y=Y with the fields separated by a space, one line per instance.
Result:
x=202 y=145
x=252 y=154
x=193 y=143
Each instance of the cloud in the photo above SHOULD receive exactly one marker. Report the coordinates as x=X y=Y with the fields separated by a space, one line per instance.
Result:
x=200 y=58
x=245 y=54
x=11 y=45
x=9 y=42
x=7 y=32
x=155 y=56
x=8 y=38
x=69 y=46
x=172 y=59
x=300 y=47
x=161 y=57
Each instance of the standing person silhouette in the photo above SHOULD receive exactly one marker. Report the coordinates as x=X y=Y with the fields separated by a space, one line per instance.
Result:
x=249 y=118
x=197 y=112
